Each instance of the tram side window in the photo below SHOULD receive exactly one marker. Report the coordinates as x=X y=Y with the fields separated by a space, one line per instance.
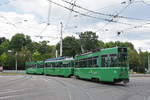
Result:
x=104 y=61
x=52 y=64
x=33 y=65
x=113 y=60
x=47 y=64
x=84 y=63
x=65 y=64
x=59 y=64
x=94 y=61
x=72 y=64
x=89 y=62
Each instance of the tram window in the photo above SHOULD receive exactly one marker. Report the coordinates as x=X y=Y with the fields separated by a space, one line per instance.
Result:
x=81 y=63
x=65 y=64
x=95 y=61
x=40 y=65
x=104 y=61
x=71 y=64
x=89 y=63
x=84 y=63
x=53 y=64
x=59 y=64
x=113 y=60
x=123 y=59
x=56 y=64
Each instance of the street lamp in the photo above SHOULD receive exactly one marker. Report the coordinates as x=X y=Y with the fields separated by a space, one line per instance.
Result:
x=16 y=59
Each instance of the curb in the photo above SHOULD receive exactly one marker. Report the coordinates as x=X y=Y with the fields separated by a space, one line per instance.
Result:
x=139 y=75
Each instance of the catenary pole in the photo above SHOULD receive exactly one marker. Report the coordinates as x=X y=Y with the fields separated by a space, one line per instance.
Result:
x=61 y=39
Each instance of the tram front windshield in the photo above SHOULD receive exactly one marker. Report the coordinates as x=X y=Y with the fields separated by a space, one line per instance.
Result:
x=122 y=57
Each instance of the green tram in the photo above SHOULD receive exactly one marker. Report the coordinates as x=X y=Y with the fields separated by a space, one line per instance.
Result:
x=35 y=67
x=107 y=65
x=30 y=67
x=59 y=66
x=39 y=67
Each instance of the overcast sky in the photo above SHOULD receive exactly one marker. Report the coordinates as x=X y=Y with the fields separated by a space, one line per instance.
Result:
x=31 y=17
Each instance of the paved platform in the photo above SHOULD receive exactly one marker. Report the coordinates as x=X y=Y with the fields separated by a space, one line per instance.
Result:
x=38 y=87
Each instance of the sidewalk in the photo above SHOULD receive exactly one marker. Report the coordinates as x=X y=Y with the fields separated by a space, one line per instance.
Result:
x=139 y=75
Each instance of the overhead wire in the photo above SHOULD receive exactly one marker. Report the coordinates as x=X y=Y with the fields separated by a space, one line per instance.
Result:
x=115 y=16
x=69 y=15
x=145 y=3
x=104 y=19
x=137 y=26
x=48 y=22
x=8 y=22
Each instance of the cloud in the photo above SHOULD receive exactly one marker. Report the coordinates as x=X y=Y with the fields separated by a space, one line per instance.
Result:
x=30 y=16
x=27 y=24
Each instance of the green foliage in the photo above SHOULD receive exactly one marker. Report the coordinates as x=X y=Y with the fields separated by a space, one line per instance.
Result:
x=135 y=61
x=144 y=61
x=3 y=59
x=110 y=44
x=44 y=48
x=71 y=46
x=28 y=50
x=89 y=40
x=19 y=41
x=101 y=44
x=23 y=56
x=4 y=46
x=36 y=56
x=10 y=62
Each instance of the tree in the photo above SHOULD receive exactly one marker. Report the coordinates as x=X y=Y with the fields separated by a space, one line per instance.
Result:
x=144 y=61
x=4 y=46
x=135 y=61
x=89 y=40
x=71 y=46
x=44 y=48
x=23 y=56
x=36 y=56
x=33 y=46
x=18 y=41
x=2 y=39
x=3 y=59
x=101 y=44
x=110 y=44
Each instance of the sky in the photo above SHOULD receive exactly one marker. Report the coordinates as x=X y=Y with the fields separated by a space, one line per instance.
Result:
x=40 y=19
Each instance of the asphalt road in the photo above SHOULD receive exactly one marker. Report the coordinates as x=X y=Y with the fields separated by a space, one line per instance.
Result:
x=32 y=87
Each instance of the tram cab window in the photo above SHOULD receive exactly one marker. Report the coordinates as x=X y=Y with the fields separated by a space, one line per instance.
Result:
x=123 y=57
x=123 y=60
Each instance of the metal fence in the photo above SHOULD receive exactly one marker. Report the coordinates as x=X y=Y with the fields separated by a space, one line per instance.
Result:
x=14 y=71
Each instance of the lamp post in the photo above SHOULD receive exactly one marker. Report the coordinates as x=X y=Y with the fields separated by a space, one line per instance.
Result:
x=16 y=60
x=61 y=39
